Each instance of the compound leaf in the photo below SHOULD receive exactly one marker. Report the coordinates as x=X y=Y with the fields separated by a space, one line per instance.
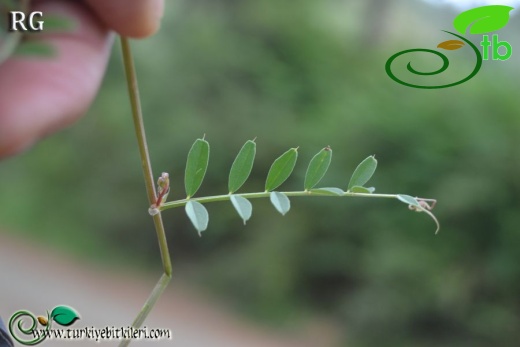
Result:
x=318 y=166
x=363 y=172
x=196 y=166
x=198 y=215
x=243 y=206
x=281 y=169
x=241 y=168
x=482 y=19
x=281 y=202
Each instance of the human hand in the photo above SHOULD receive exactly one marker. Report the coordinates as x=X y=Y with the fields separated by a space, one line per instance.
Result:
x=41 y=96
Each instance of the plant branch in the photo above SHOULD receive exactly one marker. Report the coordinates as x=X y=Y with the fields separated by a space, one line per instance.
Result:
x=133 y=91
x=315 y=192
x=415 y=204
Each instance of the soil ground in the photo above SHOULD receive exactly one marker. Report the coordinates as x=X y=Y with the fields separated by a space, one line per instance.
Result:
x=37 y=280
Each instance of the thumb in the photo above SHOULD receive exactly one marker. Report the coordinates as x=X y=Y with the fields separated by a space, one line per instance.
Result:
x=41 y=95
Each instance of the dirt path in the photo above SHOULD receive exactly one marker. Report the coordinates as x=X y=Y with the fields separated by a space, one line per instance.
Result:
x=36 y=280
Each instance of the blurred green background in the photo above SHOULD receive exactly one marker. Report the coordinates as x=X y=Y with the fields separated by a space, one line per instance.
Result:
x=309 y=74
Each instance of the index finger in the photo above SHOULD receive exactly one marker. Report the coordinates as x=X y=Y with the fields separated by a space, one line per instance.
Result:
x=133 y=18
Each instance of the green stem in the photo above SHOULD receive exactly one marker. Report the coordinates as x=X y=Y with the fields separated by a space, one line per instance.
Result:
x=215 y=198
x=149 y=304
x=133 y=91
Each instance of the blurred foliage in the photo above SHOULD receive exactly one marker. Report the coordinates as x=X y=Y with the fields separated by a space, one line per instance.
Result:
x=291 y=74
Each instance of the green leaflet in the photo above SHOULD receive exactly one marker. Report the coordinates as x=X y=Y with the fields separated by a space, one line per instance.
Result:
x=198 y=215
x=363 y=172
x=482 y=19
x=241 y=168
x=243 y=207
x=364 y=190
x=196 y=166
x=281 y=202
x=281 y=169
x=318 y=166
x=329 y=191
x=407 y=199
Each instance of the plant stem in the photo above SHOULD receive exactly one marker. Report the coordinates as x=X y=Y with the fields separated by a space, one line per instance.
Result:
x=149 y=304
x=206 y=199
x=133 y=91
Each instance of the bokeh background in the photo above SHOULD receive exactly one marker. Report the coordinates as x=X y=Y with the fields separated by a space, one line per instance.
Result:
x=309 y=74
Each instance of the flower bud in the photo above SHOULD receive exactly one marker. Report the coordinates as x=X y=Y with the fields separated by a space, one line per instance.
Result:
x=164 y=181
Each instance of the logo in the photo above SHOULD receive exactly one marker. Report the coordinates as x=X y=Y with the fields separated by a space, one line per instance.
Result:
x=479 y=21
x=62 y=315
x=19 y=21
x=30 y=330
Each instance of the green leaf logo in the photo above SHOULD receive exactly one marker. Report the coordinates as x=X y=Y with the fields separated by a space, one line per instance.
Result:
x=483 y=19
x=64 y=315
